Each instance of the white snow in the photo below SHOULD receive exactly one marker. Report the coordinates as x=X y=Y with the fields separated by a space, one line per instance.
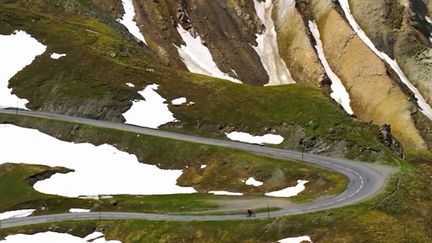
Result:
x=299 y=239
x=424 y=106
x=290 y=191
x=79 y=210
x=248 y=138
x=225 y=193
x=93 y=236
x=17 y=214
x=179 y=101
x=97 y=170
x=54 y=237
x=128 y=20
x=57 y=55
x=17 y=51
x=151 y=112
x=252 y=182
x=203 y=166
x=130 y=85
x=339 y=93
x=268 y=49
x=198 y=58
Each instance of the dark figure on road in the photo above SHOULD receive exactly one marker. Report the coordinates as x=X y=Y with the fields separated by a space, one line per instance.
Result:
x=249 y=213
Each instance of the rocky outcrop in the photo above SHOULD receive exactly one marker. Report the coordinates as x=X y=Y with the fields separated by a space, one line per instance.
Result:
x=375 y=96
x=296 y=47
x=227 y=28
x=400 y=29
x=388 y=139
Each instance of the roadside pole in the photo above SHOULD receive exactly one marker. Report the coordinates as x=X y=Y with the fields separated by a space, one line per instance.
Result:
x=268 y=210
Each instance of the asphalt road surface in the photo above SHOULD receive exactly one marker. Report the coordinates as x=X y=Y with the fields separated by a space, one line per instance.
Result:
x=365 y=180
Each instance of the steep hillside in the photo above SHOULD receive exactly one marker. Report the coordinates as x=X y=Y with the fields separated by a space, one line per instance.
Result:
x=102 y=57
x=235 y=32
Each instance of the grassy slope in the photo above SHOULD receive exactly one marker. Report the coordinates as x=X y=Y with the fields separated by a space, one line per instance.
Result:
x=90 y=81
x=400 y=214
x=225 y=170
x=14 y=183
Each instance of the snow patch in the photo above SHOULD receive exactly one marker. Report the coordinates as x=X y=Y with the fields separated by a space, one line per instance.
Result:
x=225 y=193
x=339 y=93
x=290 y=191
x=268 y=49
x=252 y=182
x=151 y=112
x=198 y=58
x=248 y=138
x=93 y=236
x=57 y=56
x=179 y=101
x=424 y=106
x=17 y=51
x=299 y=239
x=130 y=85
x=49 y=236
x=128 y=20
x=17 y=214
x=97 y=170
x=79 y=210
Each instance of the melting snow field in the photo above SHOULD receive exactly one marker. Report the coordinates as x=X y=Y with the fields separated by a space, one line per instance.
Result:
x=17 y=51
x=17 y=214
x=248 y=138
x=198 y=58
x=79 y=210
x=299 y=239
x=339 y=93
x=151 y=112
x=128 y=20
x=268 y=48
x=98 y=170
x=57 y=56
x=290 y=191
x=54 y=237
x=252 y=182
x=426 y=109
x=225 y=193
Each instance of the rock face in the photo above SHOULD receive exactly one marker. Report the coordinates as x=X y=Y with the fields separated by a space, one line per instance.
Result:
x=296 y=47
x=401 y=29
x=388 y=139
